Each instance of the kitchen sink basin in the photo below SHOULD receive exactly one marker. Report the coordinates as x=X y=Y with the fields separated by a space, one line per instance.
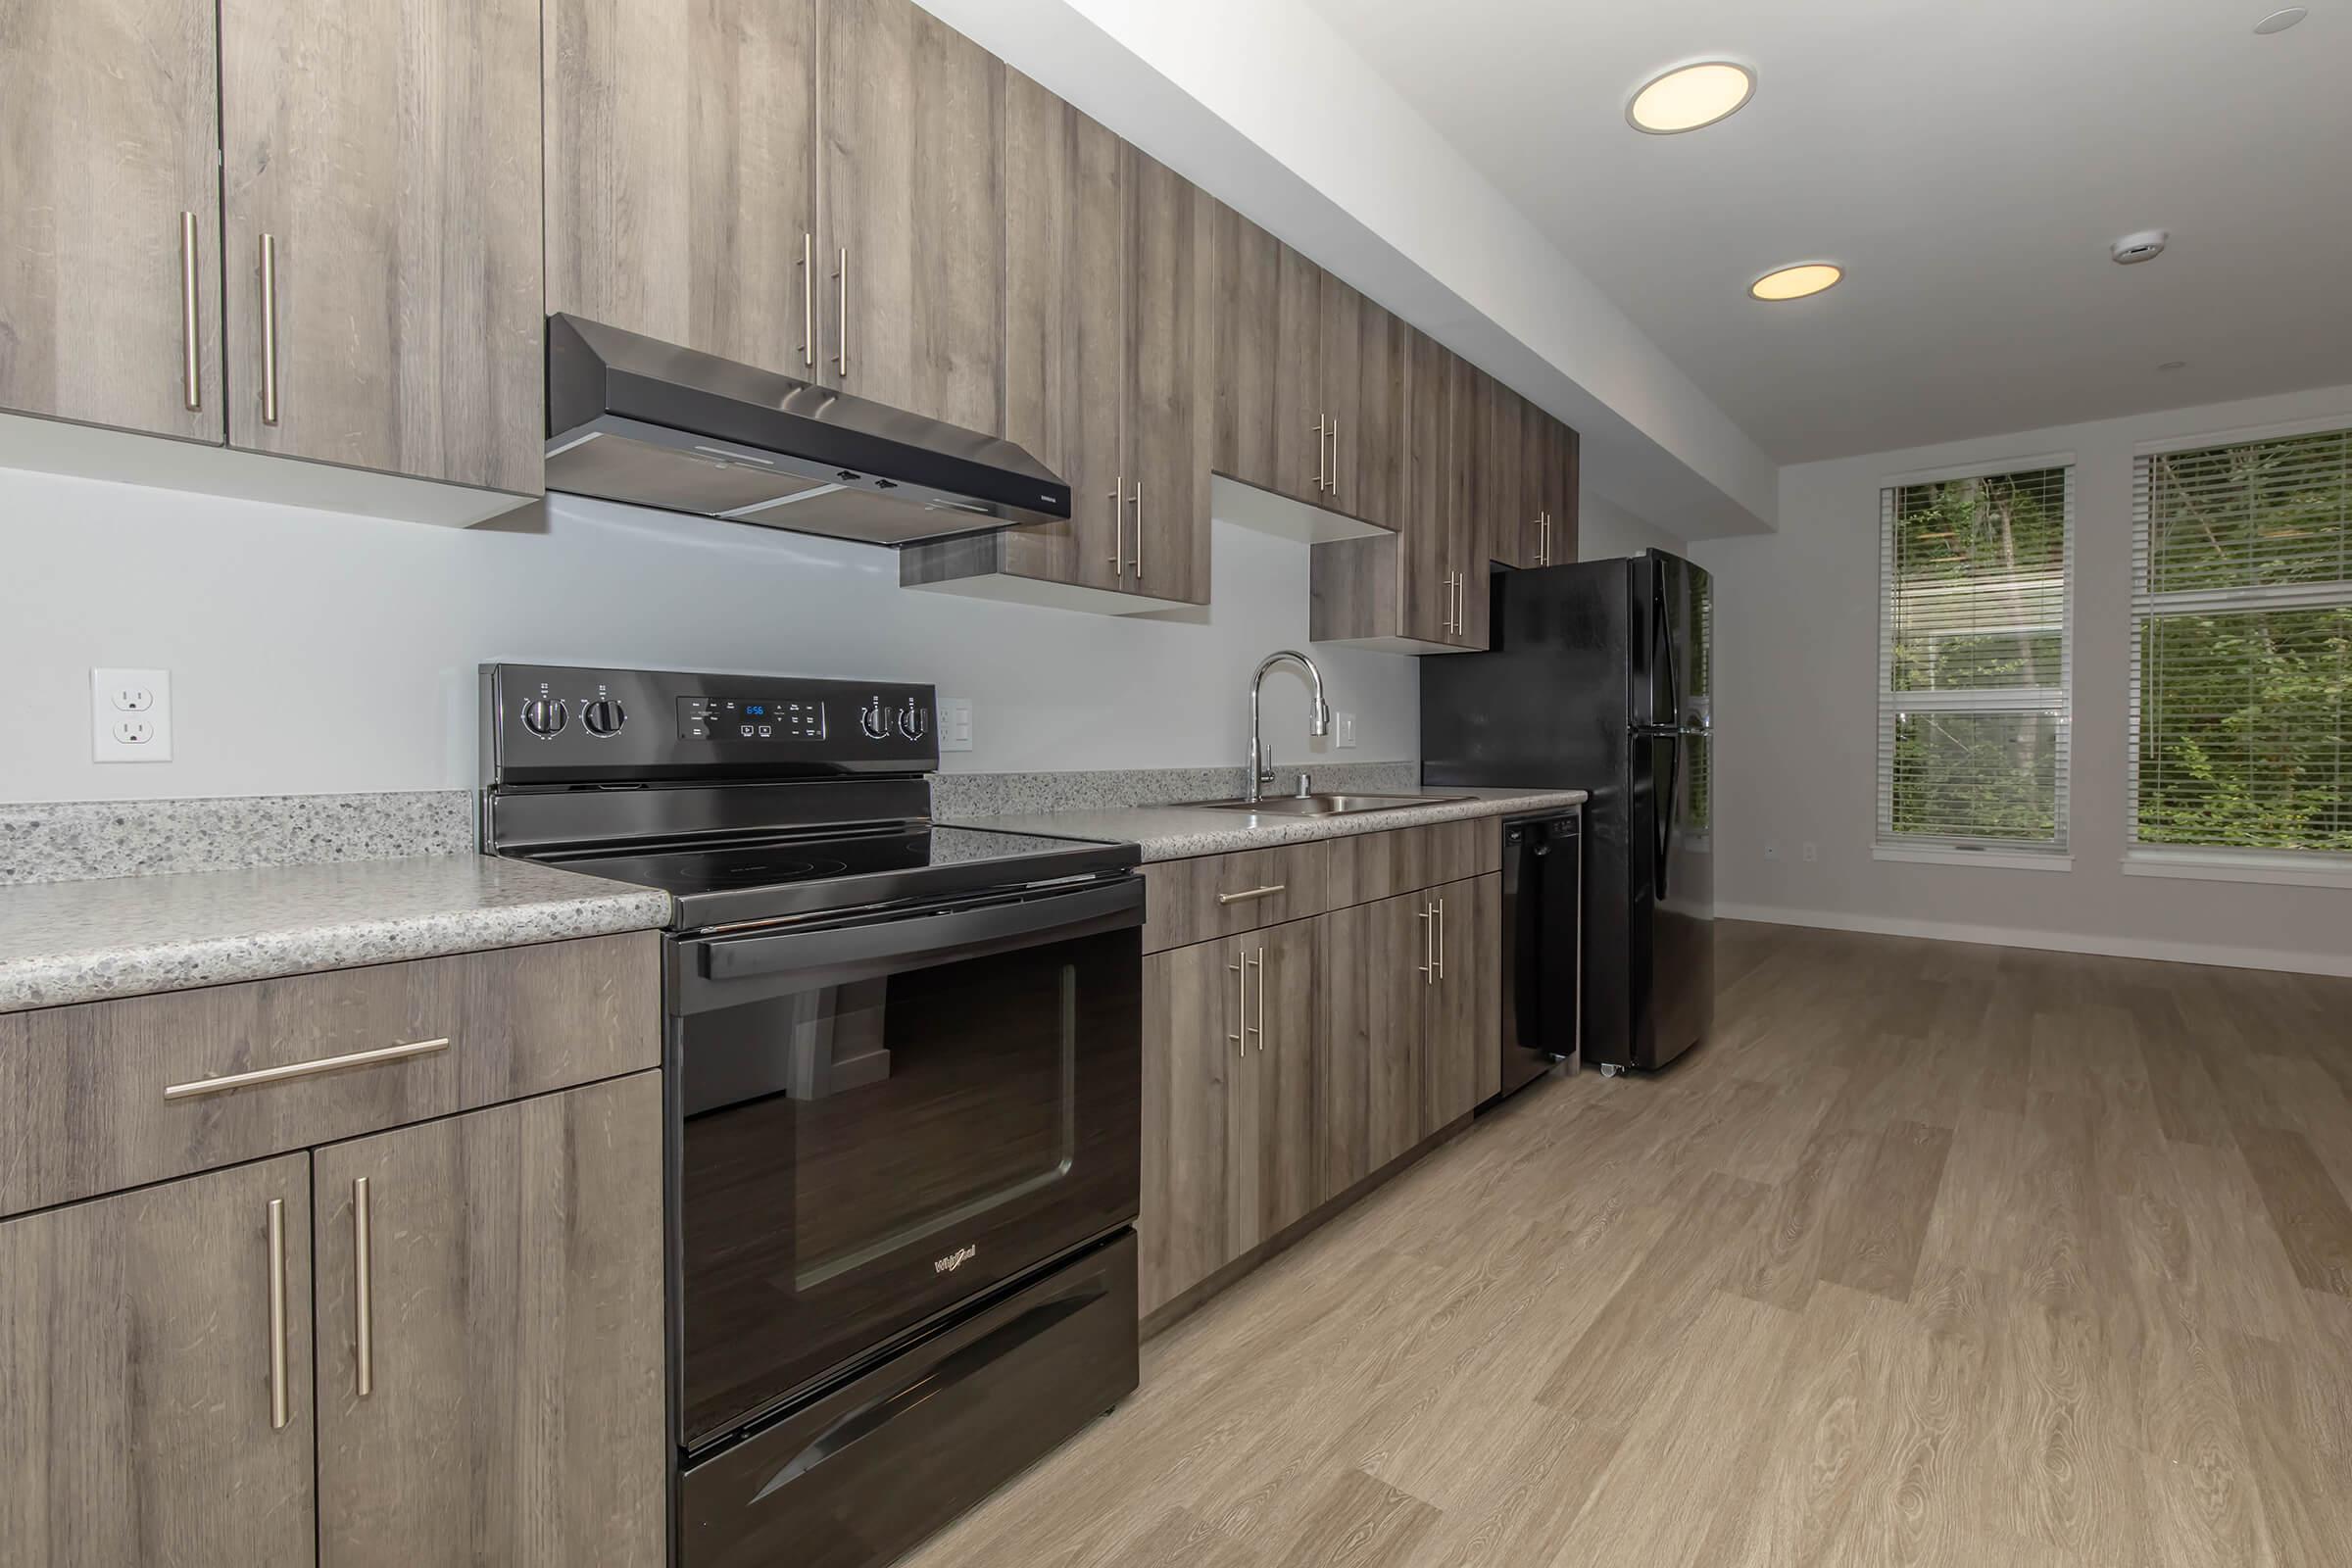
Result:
x=1333 y=805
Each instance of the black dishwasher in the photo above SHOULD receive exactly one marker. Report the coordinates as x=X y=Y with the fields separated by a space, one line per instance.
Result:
x=1542 y=948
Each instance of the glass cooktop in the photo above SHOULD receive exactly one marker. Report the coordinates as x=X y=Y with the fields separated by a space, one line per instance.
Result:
x=800 y=859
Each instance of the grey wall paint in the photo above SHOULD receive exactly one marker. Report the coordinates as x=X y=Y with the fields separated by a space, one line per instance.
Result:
x=314 y=652
x=1797 y=625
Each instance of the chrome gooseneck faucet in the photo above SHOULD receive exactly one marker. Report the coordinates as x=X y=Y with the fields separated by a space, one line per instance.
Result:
x=1261 y=766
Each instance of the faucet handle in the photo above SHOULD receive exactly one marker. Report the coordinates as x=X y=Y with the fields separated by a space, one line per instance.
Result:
x=1265 y=765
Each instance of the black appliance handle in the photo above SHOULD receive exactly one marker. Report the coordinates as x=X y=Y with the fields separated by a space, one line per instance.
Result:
x=933 y=934
x=957 y=1367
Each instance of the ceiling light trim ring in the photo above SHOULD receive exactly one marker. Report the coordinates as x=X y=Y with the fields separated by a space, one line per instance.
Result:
x=1747 y=95
x=1837 y=269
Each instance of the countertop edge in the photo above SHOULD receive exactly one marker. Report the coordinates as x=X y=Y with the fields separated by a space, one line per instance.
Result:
x=1187 y=832
x=314 y=948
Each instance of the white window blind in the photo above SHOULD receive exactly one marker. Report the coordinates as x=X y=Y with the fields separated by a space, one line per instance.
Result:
x=1976 y=656
x=2242 y=648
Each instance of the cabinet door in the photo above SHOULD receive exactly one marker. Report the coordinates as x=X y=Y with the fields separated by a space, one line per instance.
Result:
x=1373 y=438
x=508 y=1405
x=1272 y=1106
x=911 y=115
x=1370 y=1068
x=1424 y=525
x=1509 y=501
x=1339 y=346
x=148 y=1343
x=1464 y=1001
x=1249 y=263
x=384 y=272
x=1169 y=344
x=110 y=284
x=1470 y=529
x=1301 y=456
x=1568 y=482
x=681 y=174
x=1192 y=1049
x=1064 y=312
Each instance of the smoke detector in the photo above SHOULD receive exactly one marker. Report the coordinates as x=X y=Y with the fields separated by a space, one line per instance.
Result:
x=2144 y=246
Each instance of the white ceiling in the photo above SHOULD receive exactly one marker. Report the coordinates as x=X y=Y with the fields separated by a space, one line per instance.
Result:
x=1968 y=160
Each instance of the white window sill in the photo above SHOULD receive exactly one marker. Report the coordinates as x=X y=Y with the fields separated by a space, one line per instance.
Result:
x=2221 y=865
x=2003 y=860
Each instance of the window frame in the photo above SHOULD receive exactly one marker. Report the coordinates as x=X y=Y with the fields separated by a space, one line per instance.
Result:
x=2056 y=854
x=2214 y=861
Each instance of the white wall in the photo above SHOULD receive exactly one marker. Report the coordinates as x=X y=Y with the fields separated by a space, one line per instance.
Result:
x=317 y=652
x=1606 y=530
x=1797 y=678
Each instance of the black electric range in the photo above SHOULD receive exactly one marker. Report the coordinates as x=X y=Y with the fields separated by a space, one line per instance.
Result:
x=903 y=1071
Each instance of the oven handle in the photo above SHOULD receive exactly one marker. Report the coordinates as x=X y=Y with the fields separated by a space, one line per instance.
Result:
x=941 y=935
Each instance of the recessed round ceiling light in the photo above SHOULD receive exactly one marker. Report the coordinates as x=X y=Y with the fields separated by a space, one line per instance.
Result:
x=1691 y=96
x=2281 y=20
x=1795 y=282
x=2173 y=365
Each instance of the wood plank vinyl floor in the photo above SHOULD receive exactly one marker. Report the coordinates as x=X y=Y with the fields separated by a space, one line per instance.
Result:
x=1935 y=1254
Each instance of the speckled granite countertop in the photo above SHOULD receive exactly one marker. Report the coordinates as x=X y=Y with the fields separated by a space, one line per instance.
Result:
x=1174 y=832
x=64 y=942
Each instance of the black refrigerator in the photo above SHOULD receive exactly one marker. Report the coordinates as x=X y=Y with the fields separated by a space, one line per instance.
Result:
x=1600 y=678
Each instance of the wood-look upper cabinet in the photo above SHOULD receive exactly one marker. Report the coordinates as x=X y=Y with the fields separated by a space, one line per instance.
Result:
x=1301 y=396
x=1567 y=482
x=911 y=119
x=154 y=1359
x=1470 y=531
x=1365 y=348
x=1547 y=478
x=1505 y=487
x=682 y=171
x=381 y=192
x=1065 y=337
x=1169 y=415
x=109 y=259
x=1248 y=320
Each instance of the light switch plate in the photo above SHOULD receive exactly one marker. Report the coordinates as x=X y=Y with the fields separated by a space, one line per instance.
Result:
x=130 y=716
x=954 y=723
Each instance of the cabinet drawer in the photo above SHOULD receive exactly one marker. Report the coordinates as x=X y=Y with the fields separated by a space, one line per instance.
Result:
x=1214 y=896
x=109 y=1095
x=1378 y=865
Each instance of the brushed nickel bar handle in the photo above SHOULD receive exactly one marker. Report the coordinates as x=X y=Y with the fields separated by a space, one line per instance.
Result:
x=269 y=328
x=363 y=1292
x=278 y=1413
x=1248 y=893
x=1118 y=525
x=841 y=345
x=1429 y=944
x=1440 y=974
x=1320 y=486
x=1139 y=531
x=303 y=1069
x=192 y=388
x=808 y=298
x=1335 y=453
x=1241 y=1006
x=1261 y=1001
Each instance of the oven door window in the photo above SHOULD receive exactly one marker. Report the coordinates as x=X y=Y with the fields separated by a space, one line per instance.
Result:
x=858 y=1154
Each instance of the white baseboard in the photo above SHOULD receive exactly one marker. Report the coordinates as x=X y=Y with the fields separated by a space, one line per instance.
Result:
x=2331 y=963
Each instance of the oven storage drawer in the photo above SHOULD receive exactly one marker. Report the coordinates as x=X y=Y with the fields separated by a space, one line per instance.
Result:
x=866 y=1471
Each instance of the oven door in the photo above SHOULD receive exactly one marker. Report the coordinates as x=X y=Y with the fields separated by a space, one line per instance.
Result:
x=882 y=1115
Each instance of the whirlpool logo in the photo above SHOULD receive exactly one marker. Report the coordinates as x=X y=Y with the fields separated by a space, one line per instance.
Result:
x=956 y=1260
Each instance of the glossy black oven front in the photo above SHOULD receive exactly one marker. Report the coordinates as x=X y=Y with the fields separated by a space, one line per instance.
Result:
x=884 y=1116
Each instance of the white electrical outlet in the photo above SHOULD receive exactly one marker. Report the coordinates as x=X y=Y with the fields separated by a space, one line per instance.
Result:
x=130 y=716
x=954 y=723
x=1345 y=725
x=1812 y=853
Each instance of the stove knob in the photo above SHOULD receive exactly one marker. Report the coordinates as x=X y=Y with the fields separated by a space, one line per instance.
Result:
x=603 y=716
x=875 y=719
x=545 y=717
x=912 y=720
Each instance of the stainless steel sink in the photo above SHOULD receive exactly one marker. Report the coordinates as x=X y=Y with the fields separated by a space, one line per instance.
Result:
x=1333 y=805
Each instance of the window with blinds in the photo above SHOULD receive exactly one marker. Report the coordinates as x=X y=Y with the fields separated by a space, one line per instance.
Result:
x=1975 y=660
x=2241 y=654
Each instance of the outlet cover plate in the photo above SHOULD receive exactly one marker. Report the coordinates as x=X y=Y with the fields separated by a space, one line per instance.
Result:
x=123 y=703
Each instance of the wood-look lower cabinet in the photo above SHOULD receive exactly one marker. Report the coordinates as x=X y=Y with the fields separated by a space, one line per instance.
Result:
x=490 y=1361
x=381 y=193
x=110 y=280
x=155 y=1375
x=1462 y=1010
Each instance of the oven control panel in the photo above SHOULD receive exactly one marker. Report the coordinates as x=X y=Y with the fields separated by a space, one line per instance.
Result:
x=546 y=723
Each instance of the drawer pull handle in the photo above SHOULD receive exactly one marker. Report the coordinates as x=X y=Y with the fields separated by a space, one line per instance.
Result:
x=304 y=1070
x=279 y=1413
x=1248 y=893
x=363 y=1290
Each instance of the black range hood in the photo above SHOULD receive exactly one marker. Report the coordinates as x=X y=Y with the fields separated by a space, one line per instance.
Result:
x=632 y=419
